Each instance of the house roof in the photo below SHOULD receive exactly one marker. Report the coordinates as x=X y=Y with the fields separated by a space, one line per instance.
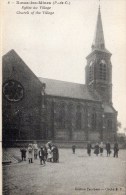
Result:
x=17 y=69
x=108 y=109
x=68 y=89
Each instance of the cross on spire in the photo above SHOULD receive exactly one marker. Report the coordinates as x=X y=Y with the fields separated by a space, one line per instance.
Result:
x=99 y=4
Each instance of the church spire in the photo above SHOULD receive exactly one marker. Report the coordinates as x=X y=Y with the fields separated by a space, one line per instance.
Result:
x=98 y=42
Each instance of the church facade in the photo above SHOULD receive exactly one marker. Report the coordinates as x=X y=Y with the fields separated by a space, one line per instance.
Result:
x=39 y=108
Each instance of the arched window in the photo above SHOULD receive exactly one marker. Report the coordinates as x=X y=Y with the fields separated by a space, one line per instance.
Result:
x=78 y=117
x=78 y=120
x=69 y=113
x=93 y=121
x=91 y=71
x=102 y=70
x=109 y=125
x=62 y=116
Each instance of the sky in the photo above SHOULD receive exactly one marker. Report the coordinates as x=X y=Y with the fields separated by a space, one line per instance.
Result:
x=55 y=46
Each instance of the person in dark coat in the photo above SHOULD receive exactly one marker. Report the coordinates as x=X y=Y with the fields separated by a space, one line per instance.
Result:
x=89 y=147
x=45 y=152
x=41 y=156
x=96 y=151
x=108 y=148
x=23 y=153
x=55 y=152
x=116 y=149
x=73 y=149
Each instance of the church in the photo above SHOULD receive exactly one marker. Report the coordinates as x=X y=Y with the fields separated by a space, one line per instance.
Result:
x=39 y=108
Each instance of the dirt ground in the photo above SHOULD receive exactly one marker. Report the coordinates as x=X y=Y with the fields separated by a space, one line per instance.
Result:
x=75 y=174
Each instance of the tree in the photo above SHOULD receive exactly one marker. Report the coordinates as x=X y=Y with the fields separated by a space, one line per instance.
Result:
x=124 y=129
x=119 y=125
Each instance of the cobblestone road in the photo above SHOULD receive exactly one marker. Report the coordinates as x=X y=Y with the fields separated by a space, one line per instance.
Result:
x=75 y=174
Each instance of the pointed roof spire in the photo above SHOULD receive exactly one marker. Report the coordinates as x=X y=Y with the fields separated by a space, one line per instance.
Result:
x=98 y=42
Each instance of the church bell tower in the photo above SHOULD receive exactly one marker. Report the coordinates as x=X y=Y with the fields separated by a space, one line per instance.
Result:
x=99 y=69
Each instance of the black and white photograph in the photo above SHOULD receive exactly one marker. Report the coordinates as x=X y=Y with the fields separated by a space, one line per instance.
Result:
x=63 y=97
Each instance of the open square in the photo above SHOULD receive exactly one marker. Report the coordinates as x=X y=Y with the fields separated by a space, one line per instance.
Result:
x=75 y=174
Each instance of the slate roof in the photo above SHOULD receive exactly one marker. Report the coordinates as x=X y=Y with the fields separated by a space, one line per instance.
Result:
x=13 y=64
x=99 y=42
x=108 y=109
x=99 y=35
x=67 y=89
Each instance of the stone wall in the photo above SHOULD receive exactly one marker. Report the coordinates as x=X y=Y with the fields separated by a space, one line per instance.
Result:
x=21 y=119
x=67 y=128
x=39 y=116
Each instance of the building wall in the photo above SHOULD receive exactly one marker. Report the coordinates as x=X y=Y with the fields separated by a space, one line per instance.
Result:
x=40 y=116
x=71 y=119
x=97 y=78
x=110 y=126
x=22 y=119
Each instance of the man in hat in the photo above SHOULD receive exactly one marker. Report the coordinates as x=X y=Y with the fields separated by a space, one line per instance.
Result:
x=89 y=147
x=73 y=149
x=116 y=150
x=108 y=148
x=23 y=153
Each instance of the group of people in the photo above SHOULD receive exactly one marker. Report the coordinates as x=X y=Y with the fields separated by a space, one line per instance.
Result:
x=99 y=148
x=48 y=152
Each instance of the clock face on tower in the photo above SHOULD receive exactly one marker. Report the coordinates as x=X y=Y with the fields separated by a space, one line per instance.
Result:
x=13 y=90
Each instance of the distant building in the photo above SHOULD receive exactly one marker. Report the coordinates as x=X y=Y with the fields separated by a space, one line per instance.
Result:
x=39 y=108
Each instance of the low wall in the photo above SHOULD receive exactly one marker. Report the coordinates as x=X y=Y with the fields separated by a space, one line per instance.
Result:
x=59 y=143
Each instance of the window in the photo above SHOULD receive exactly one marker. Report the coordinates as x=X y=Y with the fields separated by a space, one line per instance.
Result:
x=91 y=71
x=109 y=125
x=62 y=116
x=69 y=113
x=102 y=70
x=78 y=120
x=93 y=121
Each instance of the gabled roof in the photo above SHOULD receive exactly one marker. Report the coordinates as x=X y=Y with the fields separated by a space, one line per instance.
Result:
x=67 y=89
x=13 y=64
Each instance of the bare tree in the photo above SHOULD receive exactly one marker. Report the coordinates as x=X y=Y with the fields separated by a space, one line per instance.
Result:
x=124 y=129
x=119 y=125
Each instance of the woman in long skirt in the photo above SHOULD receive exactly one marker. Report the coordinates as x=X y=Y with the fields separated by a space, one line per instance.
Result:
x=30 y=153
x=55 y=154
x=50 y=155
